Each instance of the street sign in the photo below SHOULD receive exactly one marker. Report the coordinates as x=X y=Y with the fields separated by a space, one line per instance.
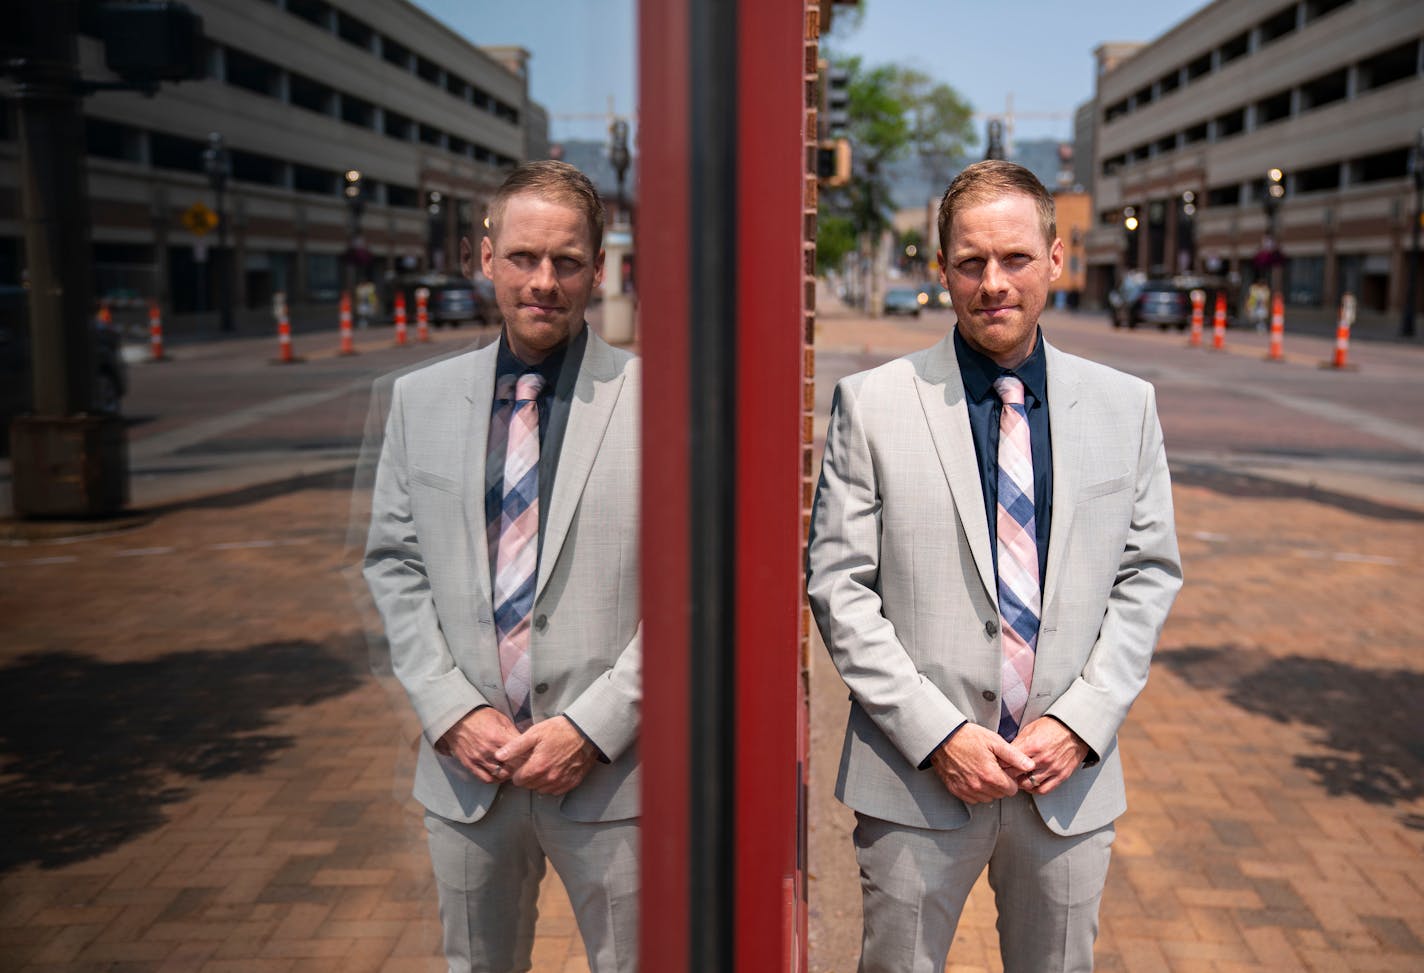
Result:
x=199 y=219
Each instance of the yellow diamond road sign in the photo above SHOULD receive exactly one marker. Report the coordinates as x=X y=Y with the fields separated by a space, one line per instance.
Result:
x=200 y=219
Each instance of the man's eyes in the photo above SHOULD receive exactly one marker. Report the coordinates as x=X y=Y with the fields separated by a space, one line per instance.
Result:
x=562 y=265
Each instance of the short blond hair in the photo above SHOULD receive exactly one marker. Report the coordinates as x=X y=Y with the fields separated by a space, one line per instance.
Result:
x=553 y=182
x=992 y=179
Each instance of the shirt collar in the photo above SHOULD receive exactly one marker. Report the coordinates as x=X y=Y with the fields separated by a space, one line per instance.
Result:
x=508 y=363
x=979 y=371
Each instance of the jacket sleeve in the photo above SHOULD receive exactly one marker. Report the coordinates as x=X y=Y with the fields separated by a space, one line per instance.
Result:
x=395 y=571
x=842 y=571
x=609 y=711
x=1148 y=578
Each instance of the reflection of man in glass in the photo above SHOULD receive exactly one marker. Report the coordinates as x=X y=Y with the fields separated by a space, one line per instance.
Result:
x=503 y=554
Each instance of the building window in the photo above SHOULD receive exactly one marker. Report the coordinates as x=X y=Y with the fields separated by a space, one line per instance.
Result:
x=323 y=277
x=109 y=140
x=312 y=11
x=252 y=73
x=1381 y=166
x=309 y=179
x=1195 y=133
x=354 y=31
x=402 y=197
x=311 y=95
x=397 y=126
x=1273 y=109
x=1144 y=96
x=1323 y=90
x=1170 y=81
x=1224 y=195
x=1315 y=9
x=357 y=111
x=1142 y=153
x=1167 y=143
x=1390 y=66
x=395 y=53
x=1278 y=25
x=1115 y=110
x=1113 y=164
x=175 y=152
x=427 y=70
x=457 y=85
x=1237 y=46
x=1199 y=67
x=430 y=135
x=1305 y=277
x=1318 y=179
x=1232 y=123
x=457 y=145
x=261 y=169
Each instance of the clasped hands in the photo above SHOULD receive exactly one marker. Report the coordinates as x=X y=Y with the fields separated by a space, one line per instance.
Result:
x=551 y=757
x=977 y=765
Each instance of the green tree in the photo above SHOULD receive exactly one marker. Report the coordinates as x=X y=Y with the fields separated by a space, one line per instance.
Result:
x=895 y=112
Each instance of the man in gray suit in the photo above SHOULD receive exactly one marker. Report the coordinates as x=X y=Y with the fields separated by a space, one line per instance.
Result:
x=991 y=561
x=503 y=556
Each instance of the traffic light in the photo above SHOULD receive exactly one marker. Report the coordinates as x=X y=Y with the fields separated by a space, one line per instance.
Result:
x=145 y=43
x=837 y=101
x=833 y=162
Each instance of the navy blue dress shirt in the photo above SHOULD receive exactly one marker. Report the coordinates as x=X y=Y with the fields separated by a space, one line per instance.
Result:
x=979 y=372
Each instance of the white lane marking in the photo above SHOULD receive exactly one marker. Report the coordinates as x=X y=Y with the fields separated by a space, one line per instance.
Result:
x=61 y=559
x=240 y=545
x=143 y=551
x=1206 y=535
x=1365 y=558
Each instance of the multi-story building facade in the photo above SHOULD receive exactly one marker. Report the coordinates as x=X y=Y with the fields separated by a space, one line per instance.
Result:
x=302 y=92
x=1186 y=129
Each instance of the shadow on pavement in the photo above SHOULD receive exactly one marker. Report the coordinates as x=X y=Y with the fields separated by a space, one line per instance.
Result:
x=1370 y=718
x=1233 y=484
x=89 y=750
x=335 y=479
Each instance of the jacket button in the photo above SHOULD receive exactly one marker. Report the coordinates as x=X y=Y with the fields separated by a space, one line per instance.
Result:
x=991 y=627
x=989 y=695
x=542 y=688
x=541 y=622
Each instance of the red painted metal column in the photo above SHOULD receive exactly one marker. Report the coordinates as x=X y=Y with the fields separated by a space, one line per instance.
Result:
x=721 y=262
x=770 y=166
x=662 y=233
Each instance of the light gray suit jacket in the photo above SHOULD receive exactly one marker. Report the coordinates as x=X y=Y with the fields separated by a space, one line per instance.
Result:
x=901 y=579
x=427 y=565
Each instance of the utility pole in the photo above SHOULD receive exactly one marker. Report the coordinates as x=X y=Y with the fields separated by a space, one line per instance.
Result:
x=66 y=461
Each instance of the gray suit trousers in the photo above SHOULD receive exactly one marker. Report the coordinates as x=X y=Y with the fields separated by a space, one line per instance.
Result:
x=1047 y=887
x=488 y=876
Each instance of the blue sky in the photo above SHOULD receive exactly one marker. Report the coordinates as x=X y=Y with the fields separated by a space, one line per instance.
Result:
x=1040 y=51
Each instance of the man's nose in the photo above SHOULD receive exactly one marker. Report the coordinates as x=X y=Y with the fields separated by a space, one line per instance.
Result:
x=992 y=281
x=544 y=278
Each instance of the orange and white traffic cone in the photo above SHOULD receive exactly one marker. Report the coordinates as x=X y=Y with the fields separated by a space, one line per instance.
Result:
x=1218 y=323
x=422 y=315
x=1341 y=359
x=155 y=332
x=106 y=317
x=400 y=317
x=1198 y=313
x=284 y=330
x=1278 y=328
x=348 y=342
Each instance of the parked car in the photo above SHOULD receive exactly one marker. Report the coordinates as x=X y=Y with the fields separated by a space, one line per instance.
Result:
x=1167 y=302
x=16 y=393
x=902 y=300
x=453 y=300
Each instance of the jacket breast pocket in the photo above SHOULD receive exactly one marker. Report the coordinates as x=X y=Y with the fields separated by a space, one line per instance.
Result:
x=1104 y=488
x=434 y=480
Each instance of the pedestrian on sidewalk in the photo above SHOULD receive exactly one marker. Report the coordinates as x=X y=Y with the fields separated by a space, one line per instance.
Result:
x=503 y=555
x=992 y=558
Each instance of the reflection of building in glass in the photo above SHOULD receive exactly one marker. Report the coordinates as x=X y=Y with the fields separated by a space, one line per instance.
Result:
x=1185 y=129
x=303 y=92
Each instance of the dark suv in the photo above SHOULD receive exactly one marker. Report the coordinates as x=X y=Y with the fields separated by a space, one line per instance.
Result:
x=453 y=300
x=1166 y=303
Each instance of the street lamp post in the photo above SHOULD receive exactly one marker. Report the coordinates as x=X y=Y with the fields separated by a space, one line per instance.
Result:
x=1416 y=169
x=1271 y=247
x=353 y=191
x=1130 y=223
x=619 y=157
x=217 y=162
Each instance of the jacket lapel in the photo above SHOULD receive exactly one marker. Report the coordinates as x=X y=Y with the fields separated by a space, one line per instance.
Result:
x=475 y=403
x=595 y=394
x=1066 y=433
x=941 y=393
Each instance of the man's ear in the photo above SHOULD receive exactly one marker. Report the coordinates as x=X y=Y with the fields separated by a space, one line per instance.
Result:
x=598 y=269
x=487 y=256
x=1055 y=256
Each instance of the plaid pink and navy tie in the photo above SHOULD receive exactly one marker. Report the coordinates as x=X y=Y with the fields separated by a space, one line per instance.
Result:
x=517 y=549
x=1019 y=593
